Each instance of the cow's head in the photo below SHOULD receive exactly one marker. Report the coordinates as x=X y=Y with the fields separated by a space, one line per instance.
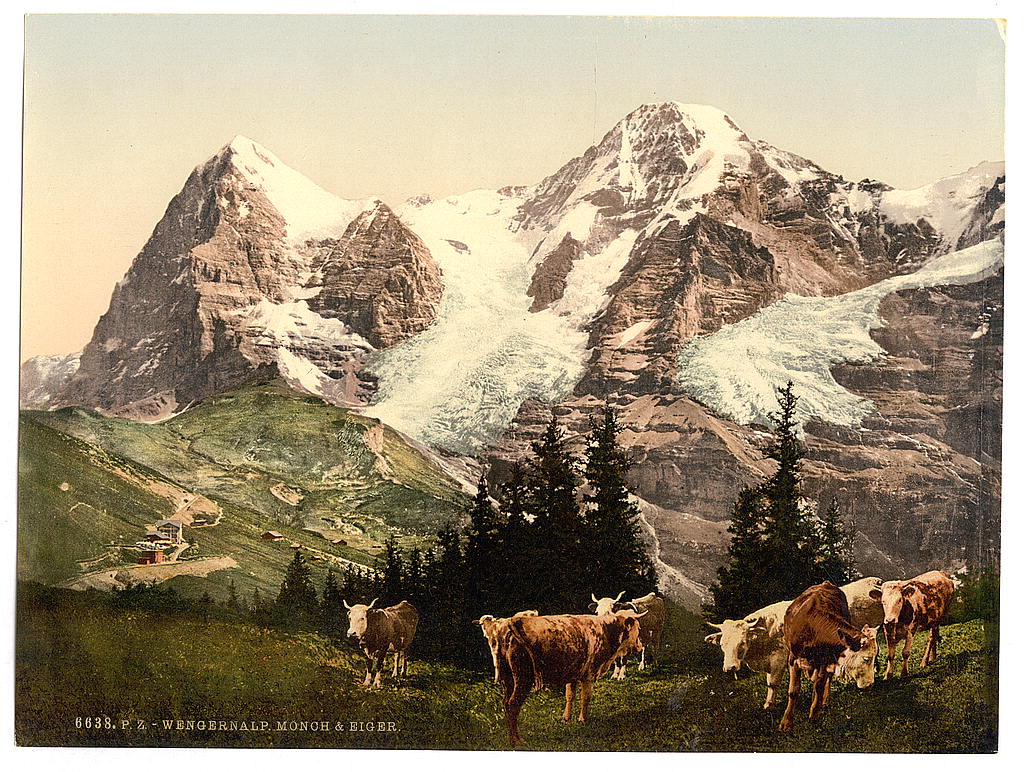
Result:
x=532 y=612
x=357 y=619
x=895 y=598
x=488 y=625
x=630 y=641
x=858 y=665
x=735 y=637
x=605 y=605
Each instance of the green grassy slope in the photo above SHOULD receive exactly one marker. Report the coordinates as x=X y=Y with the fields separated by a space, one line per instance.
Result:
x=145 y=666
x=271 y=459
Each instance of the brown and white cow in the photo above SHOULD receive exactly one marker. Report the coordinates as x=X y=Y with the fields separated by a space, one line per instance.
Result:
x=757 y=640
x=568 y=650
x=380 y=631
x=910 y=606
x=652 y=622
x=819 y=638
x=492 y=628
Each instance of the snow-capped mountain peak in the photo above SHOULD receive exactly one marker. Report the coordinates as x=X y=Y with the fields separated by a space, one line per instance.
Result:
x=308 y=210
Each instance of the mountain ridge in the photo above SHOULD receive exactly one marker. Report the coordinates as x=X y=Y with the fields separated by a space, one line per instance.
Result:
x=465 y=322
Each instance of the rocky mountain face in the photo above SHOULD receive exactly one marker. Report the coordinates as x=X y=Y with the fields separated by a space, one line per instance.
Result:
x=225 y=289
x=480 y=315
x=379 y=279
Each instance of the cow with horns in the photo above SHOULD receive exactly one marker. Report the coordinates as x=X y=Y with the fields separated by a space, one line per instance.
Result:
x=380 y=631
x=650 y=609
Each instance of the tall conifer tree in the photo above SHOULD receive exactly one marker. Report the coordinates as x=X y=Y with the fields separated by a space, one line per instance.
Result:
x=557 y=525
x=613 y=553
x=297 y=601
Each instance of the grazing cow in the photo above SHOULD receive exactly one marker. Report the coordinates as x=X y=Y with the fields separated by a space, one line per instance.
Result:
x=380 y=631
x=492 y=628
x=909 y=606
x=757 y=642
x=651 y=611
x=565 y=650
x=819 y=638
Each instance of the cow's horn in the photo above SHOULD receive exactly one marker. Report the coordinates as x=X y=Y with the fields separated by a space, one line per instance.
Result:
x=620 y=596
x=593 y=598
x=372 y=602
x=642 y=613
x=346 y=604
x=712 y=624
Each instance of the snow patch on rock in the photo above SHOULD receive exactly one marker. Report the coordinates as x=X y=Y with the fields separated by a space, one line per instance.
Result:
x=309 y=211
x=735 y=370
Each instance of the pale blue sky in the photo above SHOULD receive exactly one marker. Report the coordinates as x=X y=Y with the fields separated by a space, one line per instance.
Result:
x=119 y=109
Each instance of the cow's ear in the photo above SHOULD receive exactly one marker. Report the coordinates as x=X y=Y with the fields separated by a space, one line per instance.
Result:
x=592 y=607
x=908 y=590
x=876 y=594
x=714 y=638
x=852 y=642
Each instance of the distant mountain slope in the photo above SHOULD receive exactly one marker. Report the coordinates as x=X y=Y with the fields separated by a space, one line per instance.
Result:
x=270 y=458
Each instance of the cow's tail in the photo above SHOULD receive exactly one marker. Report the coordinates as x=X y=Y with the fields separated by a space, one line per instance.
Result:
x=515 y=632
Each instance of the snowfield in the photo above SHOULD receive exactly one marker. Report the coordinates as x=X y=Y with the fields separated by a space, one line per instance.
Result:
x=735 y=370
x=460 y=382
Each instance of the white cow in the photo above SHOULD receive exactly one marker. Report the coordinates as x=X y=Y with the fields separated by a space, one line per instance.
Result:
x=755 y=641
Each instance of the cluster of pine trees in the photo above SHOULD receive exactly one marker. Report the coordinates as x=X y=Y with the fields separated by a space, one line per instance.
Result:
x=557 y=529
x=779 y=547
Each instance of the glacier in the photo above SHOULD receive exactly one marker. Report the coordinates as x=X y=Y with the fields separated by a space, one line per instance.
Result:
x=735 y=370
x=459 y=383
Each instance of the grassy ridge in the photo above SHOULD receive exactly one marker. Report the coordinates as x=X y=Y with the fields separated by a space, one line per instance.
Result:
x=145 y=666
x=271 y=459
x=242 y=444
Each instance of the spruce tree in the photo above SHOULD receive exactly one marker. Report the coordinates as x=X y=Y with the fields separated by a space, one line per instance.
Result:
x=777 y=549
x=232 y=602
x=391 y=588
x=331 y=603
x=297 y=601
x=446 y=581
x=834 y=546
x=414 y=579
x=481 y=552
x=518 y=563
x=740 y=587
x=557 y=525
x=613 y=553
x=789 y=559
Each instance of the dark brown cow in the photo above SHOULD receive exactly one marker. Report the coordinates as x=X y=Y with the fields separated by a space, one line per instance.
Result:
x=565 y=650
x=910 y=606
x=819 y=636
x=380 y=631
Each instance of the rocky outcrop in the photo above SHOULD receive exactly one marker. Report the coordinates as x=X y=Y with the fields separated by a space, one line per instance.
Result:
x=548 y=282
x=678 y=283
x=379 y=279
